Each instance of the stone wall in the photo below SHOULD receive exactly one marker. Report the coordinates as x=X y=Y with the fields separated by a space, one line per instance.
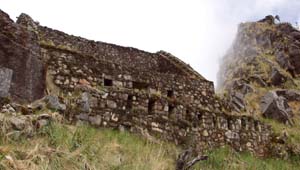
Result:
x=153 y=94
x=176 y=107
x=183 y=124
x=68 y=69
x=125 y=56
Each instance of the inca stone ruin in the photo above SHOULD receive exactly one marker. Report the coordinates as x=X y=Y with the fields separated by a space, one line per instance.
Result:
x=155 y=95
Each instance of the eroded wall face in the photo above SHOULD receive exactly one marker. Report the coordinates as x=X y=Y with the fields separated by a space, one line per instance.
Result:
x=20 y=52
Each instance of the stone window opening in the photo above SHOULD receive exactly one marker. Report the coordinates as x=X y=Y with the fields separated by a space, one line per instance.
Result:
x=256 y=124
x=229 y=123
x=139 y=85
x=188 y=115
x=108 y=82
x=243 y=123
x=170 y=93
x=187 y=112
x=151 y=106
x=215 y=121
x=171 y=108
x=199 y=116
x=129 y=102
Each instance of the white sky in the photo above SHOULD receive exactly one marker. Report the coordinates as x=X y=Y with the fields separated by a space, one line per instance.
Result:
x=197 y=31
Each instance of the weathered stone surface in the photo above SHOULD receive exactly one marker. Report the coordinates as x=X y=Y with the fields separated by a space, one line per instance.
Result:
x=257 y=79
x=52 y=102
x=283 y=60
x=268 y=19
x=111 y=104
x=272 y=58
x=84 y=102
x=237 y=91
x=95 y=120
x=277 y=78
x=20 y=52
x=276 y=107
x=18 y=123
x=26 y=21
x=237 y=101
x=185 y=161
x=7 y=109
x=5 y=81
x=290 y=95
x=83 y=116
x=230 y=135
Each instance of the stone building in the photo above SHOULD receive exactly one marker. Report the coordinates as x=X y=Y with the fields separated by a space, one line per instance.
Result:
x=153 y=94
x=162 y=77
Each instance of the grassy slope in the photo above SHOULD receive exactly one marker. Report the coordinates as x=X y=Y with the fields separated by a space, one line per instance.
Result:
x=83 y=147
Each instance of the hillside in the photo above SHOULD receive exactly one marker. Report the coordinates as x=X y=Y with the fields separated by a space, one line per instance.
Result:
x=67 y=102
x=66 y=147
x=259 y=76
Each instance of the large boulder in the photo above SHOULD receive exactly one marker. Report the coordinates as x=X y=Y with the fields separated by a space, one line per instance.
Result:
x=290 y=95
x=277 y=78
x=276 y=107
x=20 y=52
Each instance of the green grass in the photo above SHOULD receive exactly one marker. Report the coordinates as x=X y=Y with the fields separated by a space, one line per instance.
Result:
x=84 y=147
x=227 y=159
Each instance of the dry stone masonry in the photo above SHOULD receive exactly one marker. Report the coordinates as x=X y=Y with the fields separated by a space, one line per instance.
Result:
x=153 y=94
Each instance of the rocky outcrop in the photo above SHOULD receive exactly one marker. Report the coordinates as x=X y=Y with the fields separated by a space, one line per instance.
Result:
x=289 y=94
x=262 y=49
x=268 y=19
x=264 y=55
x=276 y=107
x=277 y=78
x=237 y=92
x=20 y=53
